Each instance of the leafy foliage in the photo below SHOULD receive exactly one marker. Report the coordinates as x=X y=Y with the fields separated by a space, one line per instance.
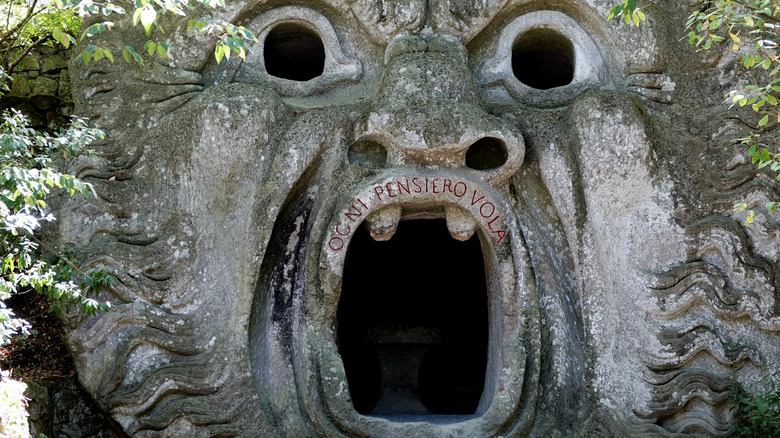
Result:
x=26 y=178
x=757 y=406
x=753 y=25
x=29 y=23
x=49 y=21
x=26 y=24
x=751 y=28
x=629 y=11
x=230 y=39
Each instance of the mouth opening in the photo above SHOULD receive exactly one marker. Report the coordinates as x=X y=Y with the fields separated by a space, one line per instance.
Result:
x=413 y=322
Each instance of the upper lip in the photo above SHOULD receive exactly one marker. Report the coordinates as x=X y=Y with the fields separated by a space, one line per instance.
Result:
x=466 y=203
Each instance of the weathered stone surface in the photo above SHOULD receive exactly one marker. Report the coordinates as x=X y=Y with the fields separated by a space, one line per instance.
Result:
x=59 y=408
x=53 y=62
x=593 y=162
x=21 y=86
x=44 y=101
x=29 y=63
x=64 y=89
x=45 y=86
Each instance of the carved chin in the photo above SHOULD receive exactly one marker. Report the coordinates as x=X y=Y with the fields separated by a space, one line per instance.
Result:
x=414 y=304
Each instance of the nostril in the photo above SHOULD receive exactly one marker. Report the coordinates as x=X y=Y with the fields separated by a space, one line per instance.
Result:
x=487 y=153
x=295 y=52
x=367 y=153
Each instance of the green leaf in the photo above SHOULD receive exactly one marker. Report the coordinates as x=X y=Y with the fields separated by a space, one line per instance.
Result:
x=134 y=55
x=197 y=24
x=763 y=122
x=218 y=53
x=67 y=40
x=615 y=11
x=137 y=16
x=126 y=55
x=148 y=16
x=109 y=55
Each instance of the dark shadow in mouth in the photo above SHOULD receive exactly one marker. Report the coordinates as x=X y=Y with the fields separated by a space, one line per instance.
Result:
x=413 y=322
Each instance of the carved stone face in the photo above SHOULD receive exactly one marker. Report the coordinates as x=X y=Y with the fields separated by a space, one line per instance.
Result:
x=420 y=219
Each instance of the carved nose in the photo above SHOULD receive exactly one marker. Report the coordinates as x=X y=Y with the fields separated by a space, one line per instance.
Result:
x=428 y=113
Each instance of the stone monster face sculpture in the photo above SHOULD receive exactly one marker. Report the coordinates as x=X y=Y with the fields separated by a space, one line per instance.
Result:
x=420 y=218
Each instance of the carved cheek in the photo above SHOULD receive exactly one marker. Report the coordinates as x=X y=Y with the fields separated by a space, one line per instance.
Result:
x=624 y=196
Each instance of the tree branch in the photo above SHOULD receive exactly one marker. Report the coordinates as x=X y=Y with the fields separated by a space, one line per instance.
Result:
x=750 y=6
x=30 y=13
x=8 y=17
x=27 y=52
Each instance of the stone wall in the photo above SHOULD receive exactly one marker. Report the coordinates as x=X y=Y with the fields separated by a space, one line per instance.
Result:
x=41 y=88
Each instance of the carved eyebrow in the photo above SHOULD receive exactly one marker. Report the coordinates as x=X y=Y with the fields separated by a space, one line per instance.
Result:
x=385 y=19
x=94 y=72
x=463 y=19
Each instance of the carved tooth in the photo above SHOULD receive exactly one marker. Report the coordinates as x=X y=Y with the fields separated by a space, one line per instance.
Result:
x=461 y=225
x=383 y=223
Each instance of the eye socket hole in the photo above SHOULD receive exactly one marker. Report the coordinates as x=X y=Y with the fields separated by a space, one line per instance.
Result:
x=543 y=59
x=293 y=51
x=487 y=153
x=367 y=153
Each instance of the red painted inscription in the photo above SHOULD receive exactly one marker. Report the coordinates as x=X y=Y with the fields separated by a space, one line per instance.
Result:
x=404 y=187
